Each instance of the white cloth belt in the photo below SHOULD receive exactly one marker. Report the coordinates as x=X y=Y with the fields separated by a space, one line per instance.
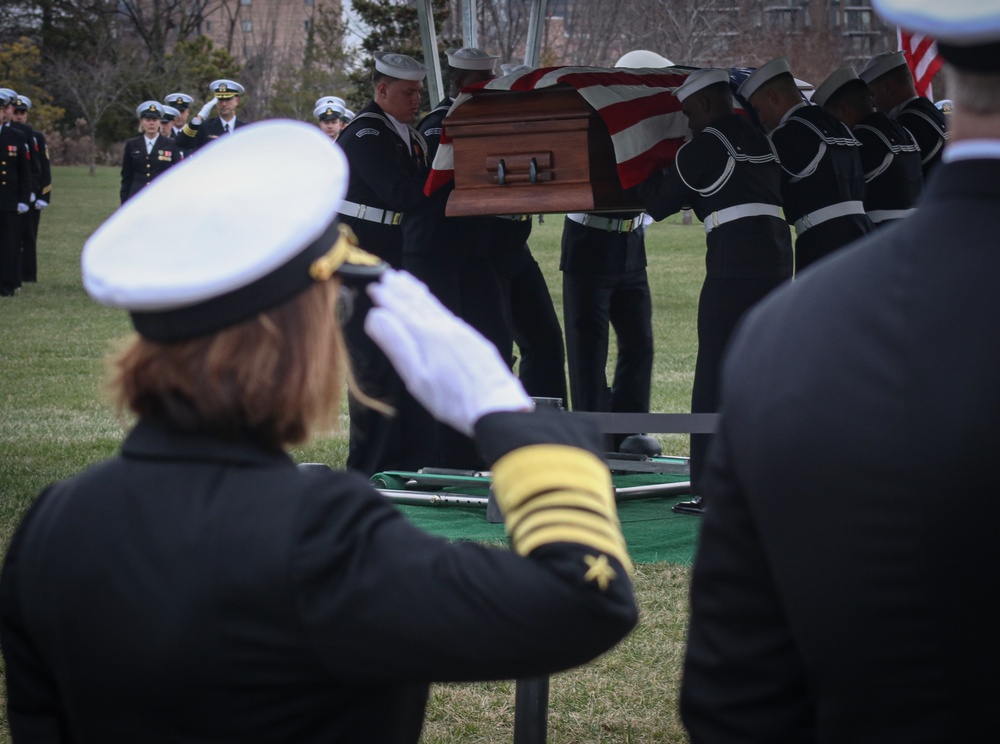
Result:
x=610 y=224
x=372 y=214
x=881 y=215
x=751 y=209
x=841 y=209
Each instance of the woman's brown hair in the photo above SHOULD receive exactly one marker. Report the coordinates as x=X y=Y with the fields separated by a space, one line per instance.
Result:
x=277 y=377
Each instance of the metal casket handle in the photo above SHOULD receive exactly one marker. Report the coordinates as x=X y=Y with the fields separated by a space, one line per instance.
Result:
x=501 y=173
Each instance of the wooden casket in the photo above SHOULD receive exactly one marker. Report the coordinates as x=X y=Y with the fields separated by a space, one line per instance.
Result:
x=532 y=152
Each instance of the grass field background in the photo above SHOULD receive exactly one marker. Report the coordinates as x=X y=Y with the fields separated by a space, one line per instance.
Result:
x=54 y=421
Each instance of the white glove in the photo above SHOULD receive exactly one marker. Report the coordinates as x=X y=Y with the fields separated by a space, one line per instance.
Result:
x=22 y=207
x=207 y=108
x=31 y=197
x=41 y=204
x=455 y=373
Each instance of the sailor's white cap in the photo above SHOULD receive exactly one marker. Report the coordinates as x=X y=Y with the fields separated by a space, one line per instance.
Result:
x=328 y=110
x=335 y=101
x=699 y=80
x=511 y=68
x=399 y=66
x=470 y=58
x=169 y=113
x=643 y=58
x=880 y=64
x=763 y=74
x=837 y=80
x=22 y=103
x=179 y=100
x=967 y=31
x=149 y=110
x=7 y=96
x=246 y=259
x=226 y=88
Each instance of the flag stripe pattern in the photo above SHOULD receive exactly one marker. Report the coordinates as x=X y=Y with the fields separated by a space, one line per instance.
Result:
x=921 y=57
x=643 y=117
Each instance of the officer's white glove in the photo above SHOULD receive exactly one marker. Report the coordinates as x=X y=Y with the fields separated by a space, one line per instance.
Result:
x=22 y=207
x=41 y=204
x=207 y=108
x=455 y=373
x=31 y=197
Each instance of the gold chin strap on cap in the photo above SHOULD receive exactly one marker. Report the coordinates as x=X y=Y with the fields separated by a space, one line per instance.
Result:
x=344 y=251
x=551 y=493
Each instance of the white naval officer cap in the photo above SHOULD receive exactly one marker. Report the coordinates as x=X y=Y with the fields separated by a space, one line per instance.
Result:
x=169 y=113
x=22 y=103
x=348 y=115
x=880 y=64
x=335 y=101
x=643 y=58
x=179 y=101
x=967 y=32
x=763 y=74
x=149 y=110
x=328 y=111
x=7 y=96
x=699 y=80
x=226 y=88
x=283 y=242
x=837 y=80
x=399 y=66
x=470 y=58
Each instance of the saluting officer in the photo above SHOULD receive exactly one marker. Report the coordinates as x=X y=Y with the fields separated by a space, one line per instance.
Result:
x=389 y=165
x=147 y=155
x=823 y=186
x=200 y=131
x=15 y=195
x=891 y=84
x=890 y=157
x=729 y=174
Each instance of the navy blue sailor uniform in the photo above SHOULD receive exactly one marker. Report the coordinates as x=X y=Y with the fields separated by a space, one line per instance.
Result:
x=194 y=136
x=140 y=167
x=890 y=159
x=928 y=126
x=730 y=176
x=15 y=189
x=40 y=172
x=603 y=261
x=386 y=180
x=823 y=186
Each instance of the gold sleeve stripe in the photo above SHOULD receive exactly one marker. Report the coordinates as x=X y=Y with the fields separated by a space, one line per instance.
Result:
x=526 y=472
x=46 y=190
x=189 y=131
x=555 y=493
x=569 y=534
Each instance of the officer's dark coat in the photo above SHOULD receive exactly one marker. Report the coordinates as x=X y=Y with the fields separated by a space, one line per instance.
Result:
x=201 y=589
x=746 y=258
x=822 y=166
x=139 y=168
x=193 y=136
x=838 y=594
x=15 y=188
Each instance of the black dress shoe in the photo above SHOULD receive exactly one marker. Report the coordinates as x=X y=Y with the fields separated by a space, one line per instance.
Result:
x=695 y=507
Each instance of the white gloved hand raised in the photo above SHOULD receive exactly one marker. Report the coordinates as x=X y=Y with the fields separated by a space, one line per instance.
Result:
x=455 y=373
x=22 y=207
x=41 y=204
x=207 y=108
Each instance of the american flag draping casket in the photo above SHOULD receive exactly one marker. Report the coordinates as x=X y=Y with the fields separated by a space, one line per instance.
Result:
x=559 y=139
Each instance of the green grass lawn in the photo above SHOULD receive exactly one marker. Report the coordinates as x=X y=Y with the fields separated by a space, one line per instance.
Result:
x=54 y=421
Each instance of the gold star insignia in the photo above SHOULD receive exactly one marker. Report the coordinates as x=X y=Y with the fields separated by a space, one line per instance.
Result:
x=600 y=571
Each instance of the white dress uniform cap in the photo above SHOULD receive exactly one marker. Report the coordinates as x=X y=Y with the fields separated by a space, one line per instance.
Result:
x=967 y=31
x=470 y=58
x=330 y=100
x=837 y=80
x=699 y=80
x=149 y=110
x=169 y=113
x=179 y=100
x=328 y=110
x=259 y=244
x=399 y=66
x=22 y=103
x=7 y=96
x=880 y=64
x=766 y=72
x=643 y=58
x=348 y=114
x=226 y=88
x=512 y=68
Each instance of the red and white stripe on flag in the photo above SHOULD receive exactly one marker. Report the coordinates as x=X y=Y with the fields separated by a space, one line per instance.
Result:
x=922 y=58
x=643 y=117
